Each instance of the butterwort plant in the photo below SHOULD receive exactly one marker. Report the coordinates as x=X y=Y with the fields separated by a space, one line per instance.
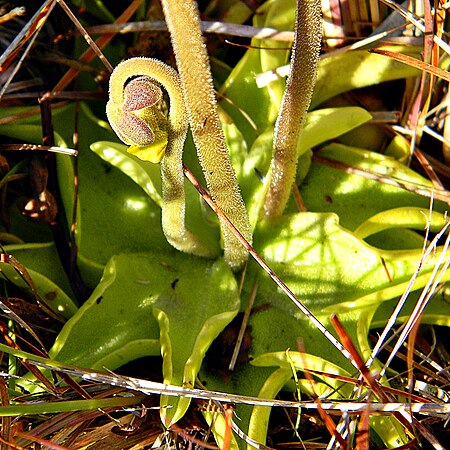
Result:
x=149 y=303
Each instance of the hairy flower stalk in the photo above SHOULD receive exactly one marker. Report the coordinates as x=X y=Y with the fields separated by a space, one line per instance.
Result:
x=133 y=114
x=183 y=22
x=294 y=106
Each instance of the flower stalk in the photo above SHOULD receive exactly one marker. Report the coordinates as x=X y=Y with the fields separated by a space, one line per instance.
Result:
x=296 y=100
x=183 y=22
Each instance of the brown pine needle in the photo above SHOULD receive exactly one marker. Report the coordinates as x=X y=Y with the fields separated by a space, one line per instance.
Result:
x=413 y=62
x=89 y=54
x=425 y=191
x=86 y=36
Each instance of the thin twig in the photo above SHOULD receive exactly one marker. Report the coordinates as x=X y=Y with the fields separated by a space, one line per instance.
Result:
x=190 y=176
x=243 y=327
x=86 y=36
x=231 y=29
x=438 y=194
x=37 y=147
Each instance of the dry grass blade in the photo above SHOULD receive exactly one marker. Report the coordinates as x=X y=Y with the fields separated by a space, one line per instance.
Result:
x=6 y=431
x=17 y=319
x=429 y=169
x=192 y=440
x=33 y=26
x=401 y=302
x=404 y=417
x=417 y=22
x=150 y=387
x=362 y=433
x=329 y=423
x=27 y=113
x=45 y=442
x=426 y=295
x=365 y=373
x=15 y=12
x=29 y=34
x=23 y=273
